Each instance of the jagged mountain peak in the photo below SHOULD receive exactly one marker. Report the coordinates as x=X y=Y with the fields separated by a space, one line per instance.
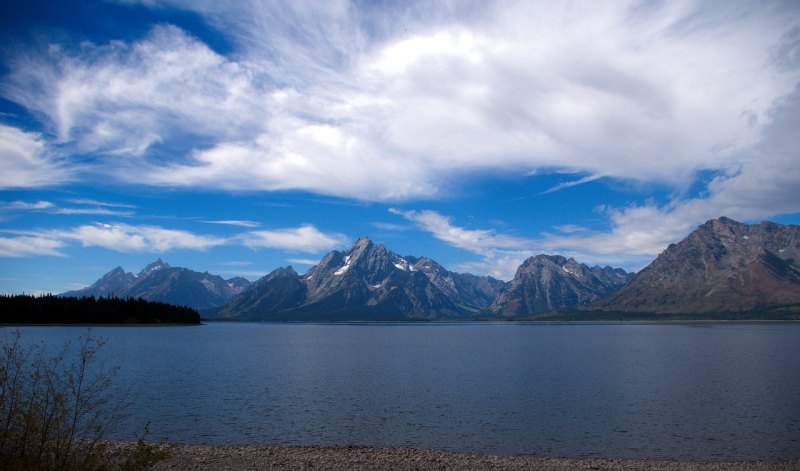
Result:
x=723 y=221
x=154 y=266
x=722 y=266
x=536 y=265
x=160 y=282
x=366 y=281
x=549 y=282
x=115 y=272
x=362 y=242
x=281 y=271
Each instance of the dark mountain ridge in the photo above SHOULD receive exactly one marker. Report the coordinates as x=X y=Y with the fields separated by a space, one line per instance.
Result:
x=366 y=282
x=547 y=283
x=722 y=266
x=159 y=281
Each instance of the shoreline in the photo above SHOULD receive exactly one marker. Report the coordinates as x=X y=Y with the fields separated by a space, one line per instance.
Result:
x=253 y=457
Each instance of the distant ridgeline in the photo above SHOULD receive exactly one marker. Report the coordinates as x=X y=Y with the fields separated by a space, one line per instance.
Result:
x=50 y=309
x=722 y=270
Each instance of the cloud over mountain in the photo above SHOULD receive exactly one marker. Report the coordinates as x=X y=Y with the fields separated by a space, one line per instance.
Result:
x=659 y=115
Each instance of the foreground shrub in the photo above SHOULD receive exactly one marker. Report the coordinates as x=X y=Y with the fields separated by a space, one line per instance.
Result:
x=54 y=408
x=144 y=455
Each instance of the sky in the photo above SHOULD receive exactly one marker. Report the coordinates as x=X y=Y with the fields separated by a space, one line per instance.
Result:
x=238 y=137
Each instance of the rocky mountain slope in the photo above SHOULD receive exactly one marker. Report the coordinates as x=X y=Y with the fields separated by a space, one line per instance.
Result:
x=368 y=281
x=161 y=282
x=723 y=266
x=550 y=282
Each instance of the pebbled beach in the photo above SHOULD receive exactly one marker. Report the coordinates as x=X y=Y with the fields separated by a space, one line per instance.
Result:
x=259 y=457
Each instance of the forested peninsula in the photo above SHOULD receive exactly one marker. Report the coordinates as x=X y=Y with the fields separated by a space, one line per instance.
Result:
x=50 y=309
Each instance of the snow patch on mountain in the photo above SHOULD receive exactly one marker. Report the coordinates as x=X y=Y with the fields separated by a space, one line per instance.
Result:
x=347 y=262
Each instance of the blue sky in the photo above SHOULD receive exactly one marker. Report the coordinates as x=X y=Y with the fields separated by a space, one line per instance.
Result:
x=237 y=137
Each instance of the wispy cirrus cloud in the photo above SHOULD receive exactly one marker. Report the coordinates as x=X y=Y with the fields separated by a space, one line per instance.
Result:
x=30 y=245
x=339 y=100
x=500 y=254
x=27 y=206
x=128 y=238
x=237 y=223
x=99 y=208
x=306 y=238
x=119 y=99
x=571 y=184
x=146 y=238
x=478 y=241
x=28 y=162
x=92 y=211
x=105 y=204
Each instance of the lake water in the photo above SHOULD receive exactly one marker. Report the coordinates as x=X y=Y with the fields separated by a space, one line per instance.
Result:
x=720 y=391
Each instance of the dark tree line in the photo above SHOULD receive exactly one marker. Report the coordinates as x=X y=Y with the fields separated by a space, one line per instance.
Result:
x=50 y=309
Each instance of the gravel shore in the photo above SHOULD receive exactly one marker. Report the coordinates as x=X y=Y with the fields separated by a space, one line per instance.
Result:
x=256 y=457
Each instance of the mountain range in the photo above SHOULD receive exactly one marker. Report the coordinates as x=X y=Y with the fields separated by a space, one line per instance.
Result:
x=368 y=281
x=722 y=267
x=173 y=285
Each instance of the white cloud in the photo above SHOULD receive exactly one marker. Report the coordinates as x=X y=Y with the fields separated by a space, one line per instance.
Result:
x=93 y=202
x=397 y=104
x=26 y=161
x=500 y=254
x=305 y=238
x=120 y=99
x=127 y=238
x=131 y=238
x=24 y=205
x=236 y=223
x=28 y=245
x=766 y=183
x=340 y=100
x=92 y=211
x=638 y=235
x=478 y=241
x=571 y=183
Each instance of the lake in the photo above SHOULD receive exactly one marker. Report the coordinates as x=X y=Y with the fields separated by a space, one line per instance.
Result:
x=684 y=391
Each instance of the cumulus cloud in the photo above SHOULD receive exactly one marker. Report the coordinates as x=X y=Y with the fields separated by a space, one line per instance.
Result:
x=392 y=104
x=764 y=184
x=305 y=238
x=338 y=100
